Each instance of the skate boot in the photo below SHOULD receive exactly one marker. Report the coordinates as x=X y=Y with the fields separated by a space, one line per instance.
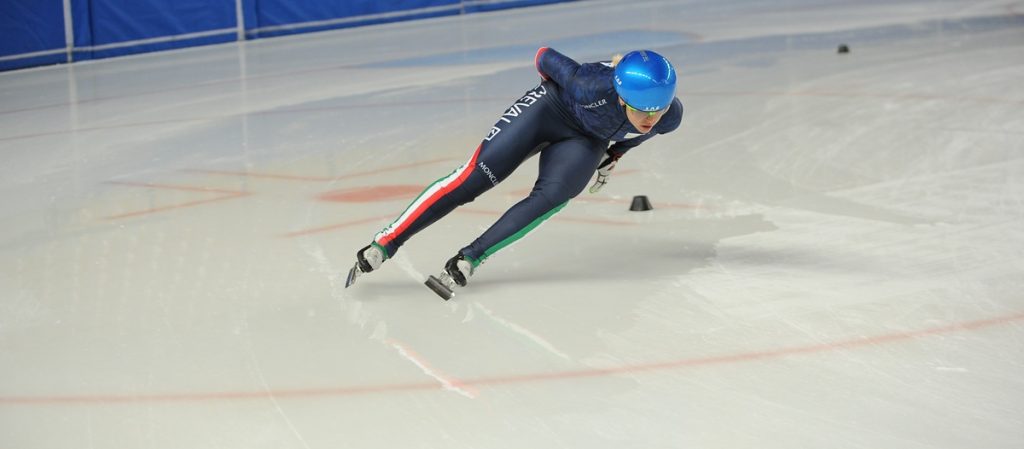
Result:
x=456 y=273
x=367 y=259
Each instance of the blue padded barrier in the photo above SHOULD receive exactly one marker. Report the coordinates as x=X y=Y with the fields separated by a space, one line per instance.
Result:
x=32 y=32
x=121 y=27
x=279 y=17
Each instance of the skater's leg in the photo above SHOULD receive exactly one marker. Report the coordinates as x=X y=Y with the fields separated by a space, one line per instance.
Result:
x=437 y=200
x=513 y=139
x=565 y=169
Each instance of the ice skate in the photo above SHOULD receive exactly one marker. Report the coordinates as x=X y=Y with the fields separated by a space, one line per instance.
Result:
x=456 y=273
x=367 y=259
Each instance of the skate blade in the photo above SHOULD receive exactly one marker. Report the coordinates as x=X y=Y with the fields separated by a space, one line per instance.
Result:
x=435 y=284
x=352 y=275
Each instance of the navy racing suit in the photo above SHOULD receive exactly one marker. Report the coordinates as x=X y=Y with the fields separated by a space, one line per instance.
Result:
x=572 y=119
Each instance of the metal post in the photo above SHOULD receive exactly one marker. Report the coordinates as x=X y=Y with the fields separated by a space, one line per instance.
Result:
x=239 y=20
x=69 y=32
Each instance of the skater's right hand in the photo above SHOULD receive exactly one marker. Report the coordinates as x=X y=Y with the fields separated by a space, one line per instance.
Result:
x=604 y=171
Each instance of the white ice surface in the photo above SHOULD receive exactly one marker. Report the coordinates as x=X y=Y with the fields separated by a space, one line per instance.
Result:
x=835 y=258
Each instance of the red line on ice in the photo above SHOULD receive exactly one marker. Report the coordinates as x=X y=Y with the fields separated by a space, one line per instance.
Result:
x=742 y=357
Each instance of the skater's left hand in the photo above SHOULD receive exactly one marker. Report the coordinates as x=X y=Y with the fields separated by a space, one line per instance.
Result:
x=604 y=171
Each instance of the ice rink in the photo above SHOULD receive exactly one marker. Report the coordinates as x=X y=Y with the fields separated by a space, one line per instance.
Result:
x=835 y=258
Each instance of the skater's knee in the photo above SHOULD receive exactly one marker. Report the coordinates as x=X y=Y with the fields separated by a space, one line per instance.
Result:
x=554 y=193
x=463 y=195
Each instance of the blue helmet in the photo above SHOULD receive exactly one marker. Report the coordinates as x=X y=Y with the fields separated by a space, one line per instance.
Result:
x=645 y=80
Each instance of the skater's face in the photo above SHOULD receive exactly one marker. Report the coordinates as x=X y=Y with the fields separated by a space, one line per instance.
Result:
x=643 y=121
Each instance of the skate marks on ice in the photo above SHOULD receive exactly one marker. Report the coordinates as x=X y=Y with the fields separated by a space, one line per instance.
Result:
x=366 y=319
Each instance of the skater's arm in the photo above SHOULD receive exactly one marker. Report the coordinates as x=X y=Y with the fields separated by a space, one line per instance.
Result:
x=668 y=123
x=617 y=149
x=582 y=82
x=554 y=66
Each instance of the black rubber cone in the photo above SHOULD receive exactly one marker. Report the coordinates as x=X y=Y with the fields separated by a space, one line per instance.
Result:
x=640 y=203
